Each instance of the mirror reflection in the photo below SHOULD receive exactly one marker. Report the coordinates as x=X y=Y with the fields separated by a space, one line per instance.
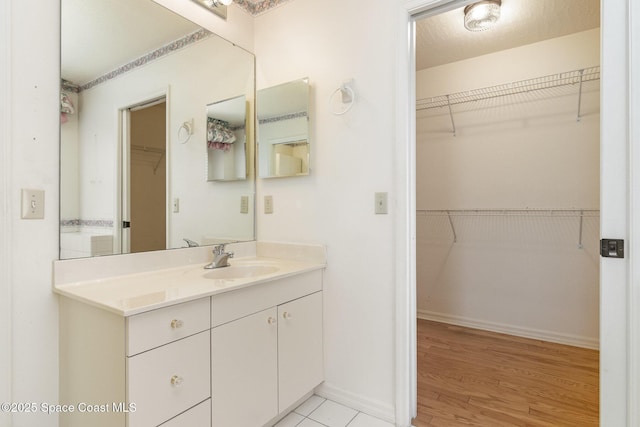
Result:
x=135 y=174
x=226 y=140
x=283 y=130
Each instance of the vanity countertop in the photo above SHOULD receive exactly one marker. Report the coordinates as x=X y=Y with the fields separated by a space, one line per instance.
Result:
x=131 y=294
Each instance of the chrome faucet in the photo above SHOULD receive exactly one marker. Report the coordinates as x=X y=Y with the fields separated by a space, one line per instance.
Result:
x=191 y=243
x=220 y=257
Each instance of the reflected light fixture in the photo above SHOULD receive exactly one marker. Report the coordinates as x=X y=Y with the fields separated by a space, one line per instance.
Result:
x=482 y=15
x=219 y=7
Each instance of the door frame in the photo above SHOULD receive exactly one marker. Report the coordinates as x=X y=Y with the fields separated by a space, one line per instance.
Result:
x=122 y=166
x=620 y=291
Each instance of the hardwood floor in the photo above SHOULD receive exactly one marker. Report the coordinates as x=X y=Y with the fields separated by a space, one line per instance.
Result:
x=469 y=377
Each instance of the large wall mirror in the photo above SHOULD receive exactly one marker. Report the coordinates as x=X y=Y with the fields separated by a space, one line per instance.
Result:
x=283 y=130
x=135 y=165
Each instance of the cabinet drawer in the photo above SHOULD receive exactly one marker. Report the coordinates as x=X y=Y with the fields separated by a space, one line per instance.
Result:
x=155 y=328
x=168 y=380
x=200 y=416
x=243 y=302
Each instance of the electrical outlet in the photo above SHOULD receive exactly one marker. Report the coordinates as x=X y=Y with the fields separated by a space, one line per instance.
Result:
x=381 y=204
x=244 y=204
x=268 y=204
x=32 y=204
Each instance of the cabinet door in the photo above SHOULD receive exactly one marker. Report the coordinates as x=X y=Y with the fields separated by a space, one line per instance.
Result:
x=244 y=380
x=300 y=349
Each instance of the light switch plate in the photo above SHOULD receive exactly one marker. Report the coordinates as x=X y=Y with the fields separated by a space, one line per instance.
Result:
x=268 y=204
x=176 y=205
x=381 y=204
x=32 y=204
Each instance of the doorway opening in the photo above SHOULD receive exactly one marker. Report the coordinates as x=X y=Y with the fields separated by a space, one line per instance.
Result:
x=507 y=208
x=144 y=178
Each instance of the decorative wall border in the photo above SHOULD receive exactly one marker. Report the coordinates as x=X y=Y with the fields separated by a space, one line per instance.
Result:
x=185 y=41
x=258 y=7
x=288 y=116
x=77 y=222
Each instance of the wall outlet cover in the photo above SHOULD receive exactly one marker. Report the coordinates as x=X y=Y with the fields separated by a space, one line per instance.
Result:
x=244 y=204
x=382 y=206
x=268 y=204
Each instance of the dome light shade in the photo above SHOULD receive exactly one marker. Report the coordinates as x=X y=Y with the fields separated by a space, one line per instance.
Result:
x=482 y=15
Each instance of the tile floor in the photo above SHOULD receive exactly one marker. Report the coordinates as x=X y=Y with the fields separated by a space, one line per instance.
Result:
x=320 y=412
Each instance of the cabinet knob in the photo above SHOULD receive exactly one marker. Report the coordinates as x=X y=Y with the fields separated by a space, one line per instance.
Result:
x=176 y=323
x=286 y=315
x=176 y=381
x=271 y=320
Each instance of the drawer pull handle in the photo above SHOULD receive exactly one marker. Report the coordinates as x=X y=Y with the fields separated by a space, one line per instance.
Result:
x=176 y=381
x=176 y=323
x=271 y=320
x=286 y=315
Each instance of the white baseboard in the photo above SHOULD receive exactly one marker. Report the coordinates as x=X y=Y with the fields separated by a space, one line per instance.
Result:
x=368 y=406
x=567 y=339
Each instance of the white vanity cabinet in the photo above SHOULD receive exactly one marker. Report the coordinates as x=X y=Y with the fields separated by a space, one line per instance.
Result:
x=244 y=381
x=266 y=349
x=138 y=371
x=300 y=349
x=234 y=357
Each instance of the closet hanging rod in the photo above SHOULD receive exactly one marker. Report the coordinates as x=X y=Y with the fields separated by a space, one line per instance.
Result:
x=510 y=212
x=539 y=83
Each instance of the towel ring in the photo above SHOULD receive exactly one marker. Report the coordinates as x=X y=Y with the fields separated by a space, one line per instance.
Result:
x=188 y=128
x=347 y=94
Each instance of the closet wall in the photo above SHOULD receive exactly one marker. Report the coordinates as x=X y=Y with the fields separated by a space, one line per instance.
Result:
x=148 y=178
x=507 y=221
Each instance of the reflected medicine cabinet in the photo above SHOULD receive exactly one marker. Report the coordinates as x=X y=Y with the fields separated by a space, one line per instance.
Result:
x=283 y=130
x=227 y=140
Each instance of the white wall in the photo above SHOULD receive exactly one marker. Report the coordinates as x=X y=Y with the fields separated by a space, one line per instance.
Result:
x=28 y=249
x=5 y=203
x=351 y=159
x=69 y=158
x=519 y=274
x=206 y=208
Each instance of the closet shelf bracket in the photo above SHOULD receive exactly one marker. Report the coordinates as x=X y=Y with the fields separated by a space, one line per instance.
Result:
x=580 y=101
x=453 y=124
x=155 y=168
x=580 y=246
x=453 y=229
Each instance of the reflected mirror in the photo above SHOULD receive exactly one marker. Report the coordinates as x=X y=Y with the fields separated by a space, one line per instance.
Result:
x=134 y=168
x=226 y=140
x=283 y=130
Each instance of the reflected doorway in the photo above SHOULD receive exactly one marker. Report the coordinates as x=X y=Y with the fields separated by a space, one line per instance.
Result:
x=144 y=182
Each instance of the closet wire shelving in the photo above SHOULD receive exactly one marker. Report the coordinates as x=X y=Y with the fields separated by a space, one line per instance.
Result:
x=570 y=78
x=526 y=212
x=150 y=154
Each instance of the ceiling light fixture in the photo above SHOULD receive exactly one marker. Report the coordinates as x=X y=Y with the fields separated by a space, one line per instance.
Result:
x=219 y=7
x=482 y=15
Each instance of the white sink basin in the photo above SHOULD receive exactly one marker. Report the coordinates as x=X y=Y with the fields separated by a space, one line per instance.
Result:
x=241 y=271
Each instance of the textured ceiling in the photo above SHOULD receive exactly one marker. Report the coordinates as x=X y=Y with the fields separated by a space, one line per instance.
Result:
x=442 y=39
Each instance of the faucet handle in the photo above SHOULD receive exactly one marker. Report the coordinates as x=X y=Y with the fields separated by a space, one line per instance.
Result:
x=191 y=243
x=219 y=249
